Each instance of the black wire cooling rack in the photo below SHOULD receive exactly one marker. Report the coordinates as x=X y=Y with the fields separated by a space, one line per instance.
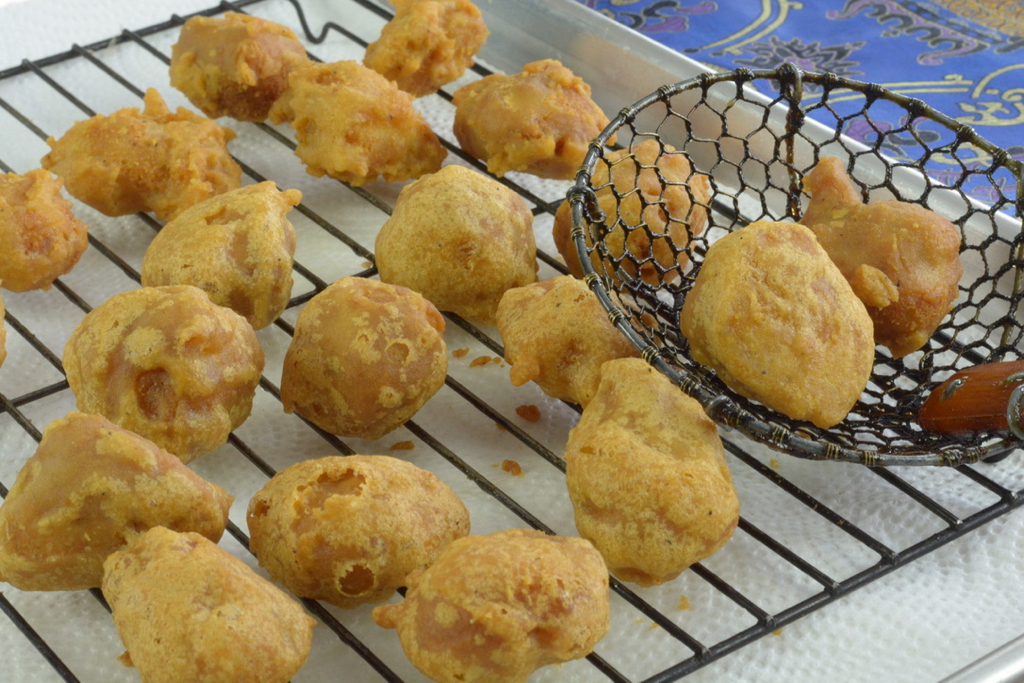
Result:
x=810 y=532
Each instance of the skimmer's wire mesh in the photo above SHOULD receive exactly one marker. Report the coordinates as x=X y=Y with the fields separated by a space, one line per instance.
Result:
x=751 y=151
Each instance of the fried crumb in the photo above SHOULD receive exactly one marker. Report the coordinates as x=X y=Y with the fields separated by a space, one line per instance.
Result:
x=367 y=264
x=774 y=464
x=460 y=353
x=530 y=413
x=684 y=602
x=777 y=632
x=500 y=426
x=512 y=467
x=403 y=446
x=480 y=360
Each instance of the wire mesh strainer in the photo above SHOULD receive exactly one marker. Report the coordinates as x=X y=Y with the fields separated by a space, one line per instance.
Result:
x=754 y=149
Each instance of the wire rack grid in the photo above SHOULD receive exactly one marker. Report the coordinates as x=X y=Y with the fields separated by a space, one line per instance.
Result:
x=810 y=533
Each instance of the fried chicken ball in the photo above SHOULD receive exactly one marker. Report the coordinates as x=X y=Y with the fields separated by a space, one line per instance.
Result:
x=461 y=240
x=902 y=259
x=499 y=607
x=168 y=364
x=647 y=476
x=188 y=610
x=557 y=334
x=236 y=65
x=354 y=125
x=40 y=238
x=427 y=44
x=538 y=121
x=238 y=247
x=91 y=488
x=654 y=204
x=349 y=529
x=778 y=322
x=153 y=160
x=365 y=357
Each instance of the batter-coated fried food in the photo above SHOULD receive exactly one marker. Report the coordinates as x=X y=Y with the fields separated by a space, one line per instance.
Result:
x=427 y=44
x=168 y=364
x=778 y=322
x=461 y=240
x=150 y=160
x=236 y=65
x=365 y=357
x=539 y=121
x=89 y=489
x=647 y=476
x=238 y=247
x=902 y=259
x=499 y=607
x=654 y=204
x=349 y=529
x=188 y=610
x=40 y=238
x=354 y=125
x=557 y=334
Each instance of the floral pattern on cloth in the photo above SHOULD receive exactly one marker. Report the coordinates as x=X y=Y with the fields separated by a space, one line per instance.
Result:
x=964 y=58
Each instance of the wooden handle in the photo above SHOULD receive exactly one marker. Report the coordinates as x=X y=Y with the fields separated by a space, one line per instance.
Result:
x=983 y=398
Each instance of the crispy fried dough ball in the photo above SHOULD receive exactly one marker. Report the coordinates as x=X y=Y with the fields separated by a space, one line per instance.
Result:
x=349 y=529
x=539 y=121
x=90 y=489
x=354 y=125
x=647 y=476
x=778 y=322
x=461 y=240
x=499 y=607
x=557 y=334
x=188 y=610
x=238 y=247
x=40 y=238
x=365 y=357
x=427 y=44
x=153 y=160
x=236 y=65
x=902 y=260
x=168 y=364
x=654 y=204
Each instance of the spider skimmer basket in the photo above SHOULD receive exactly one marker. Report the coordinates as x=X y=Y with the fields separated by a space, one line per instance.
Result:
x=754 y=149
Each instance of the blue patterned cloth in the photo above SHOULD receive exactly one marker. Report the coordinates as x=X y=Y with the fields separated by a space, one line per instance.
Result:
x=964 y=58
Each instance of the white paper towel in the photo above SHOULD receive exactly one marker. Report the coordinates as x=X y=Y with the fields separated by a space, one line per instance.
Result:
x=920 y=623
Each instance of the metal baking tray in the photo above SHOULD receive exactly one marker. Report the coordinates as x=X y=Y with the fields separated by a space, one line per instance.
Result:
x=810 y=534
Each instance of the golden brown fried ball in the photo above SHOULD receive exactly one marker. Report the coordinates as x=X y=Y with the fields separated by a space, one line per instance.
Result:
x=647 y=476
x=349 y=529
x=427 y=44
x=91 y=488
x=365 y=357
x=539 y=121
x=654 y=204
x=40 y=238
x=557 y=334
x=168 y=364
x=188 y=610
x=153 y=160
x=236 y=65
x=461 y=240
x=902 y=259
x=354 y=125
x=499 y=607
x=238 y=247
x=778 y=322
